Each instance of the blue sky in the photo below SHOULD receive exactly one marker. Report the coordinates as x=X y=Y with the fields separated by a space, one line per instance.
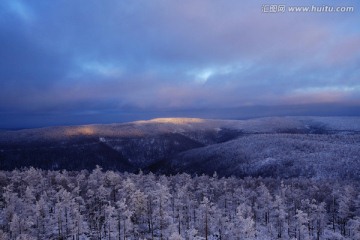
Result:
x=74 y=62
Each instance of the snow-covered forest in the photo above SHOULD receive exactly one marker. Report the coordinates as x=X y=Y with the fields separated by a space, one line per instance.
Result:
x=39 y=204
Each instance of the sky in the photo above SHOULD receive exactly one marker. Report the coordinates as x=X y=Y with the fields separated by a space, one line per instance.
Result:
x=66 y=62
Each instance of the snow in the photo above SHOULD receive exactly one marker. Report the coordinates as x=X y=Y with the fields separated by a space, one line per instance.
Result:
x=41 y=204
x=277 y=154
x=253 y=146
x=181 y=125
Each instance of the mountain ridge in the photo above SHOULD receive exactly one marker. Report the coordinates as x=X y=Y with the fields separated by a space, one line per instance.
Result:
x=273 y=146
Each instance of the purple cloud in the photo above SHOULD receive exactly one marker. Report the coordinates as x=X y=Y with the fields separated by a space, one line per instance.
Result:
x=90 y=56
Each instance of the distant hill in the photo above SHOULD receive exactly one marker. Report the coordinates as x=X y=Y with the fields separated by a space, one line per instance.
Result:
x=316 y=147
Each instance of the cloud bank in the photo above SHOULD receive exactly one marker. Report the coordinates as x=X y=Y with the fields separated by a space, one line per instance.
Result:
x=79 y=57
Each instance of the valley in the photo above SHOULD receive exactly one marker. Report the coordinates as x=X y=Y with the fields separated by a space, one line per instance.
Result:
x=285 y=147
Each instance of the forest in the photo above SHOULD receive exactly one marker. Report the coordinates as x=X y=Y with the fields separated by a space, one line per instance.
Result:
x=98 y=204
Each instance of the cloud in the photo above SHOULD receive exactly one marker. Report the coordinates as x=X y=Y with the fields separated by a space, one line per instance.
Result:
x=90 y=56
x=19 y=9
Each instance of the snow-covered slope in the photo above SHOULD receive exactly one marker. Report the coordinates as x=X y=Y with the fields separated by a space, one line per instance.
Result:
x=282 y=146
x=181 y=125
x=277 y=155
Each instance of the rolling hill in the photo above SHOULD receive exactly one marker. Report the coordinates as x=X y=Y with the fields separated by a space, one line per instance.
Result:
x=285 y=147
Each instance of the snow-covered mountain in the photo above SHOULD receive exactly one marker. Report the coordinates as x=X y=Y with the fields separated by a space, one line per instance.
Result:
x=320 y=147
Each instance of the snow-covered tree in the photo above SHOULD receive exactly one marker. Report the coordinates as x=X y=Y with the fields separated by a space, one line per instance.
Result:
x=245 y=222
x=81 y=205
x=301 y=224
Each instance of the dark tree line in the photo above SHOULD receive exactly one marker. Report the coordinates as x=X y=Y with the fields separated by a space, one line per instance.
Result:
x=39 y=204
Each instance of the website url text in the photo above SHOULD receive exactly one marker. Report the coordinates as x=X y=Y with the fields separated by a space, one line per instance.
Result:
x=279 y=8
